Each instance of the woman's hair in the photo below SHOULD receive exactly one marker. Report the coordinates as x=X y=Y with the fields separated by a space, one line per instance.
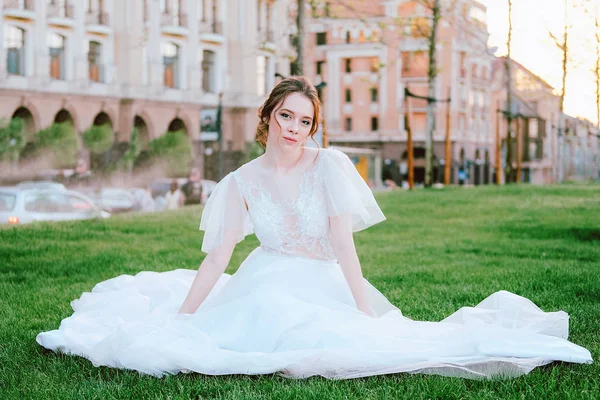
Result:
x=174 y=186
x=293 y=84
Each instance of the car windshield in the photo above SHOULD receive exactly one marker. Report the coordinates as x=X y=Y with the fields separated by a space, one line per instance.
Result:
x=56 y=202
x=7 y=201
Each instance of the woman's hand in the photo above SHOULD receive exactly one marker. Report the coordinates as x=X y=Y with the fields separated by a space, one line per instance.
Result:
x=208 y=274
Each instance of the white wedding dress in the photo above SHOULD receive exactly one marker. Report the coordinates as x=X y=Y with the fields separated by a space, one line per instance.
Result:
x=289 y=310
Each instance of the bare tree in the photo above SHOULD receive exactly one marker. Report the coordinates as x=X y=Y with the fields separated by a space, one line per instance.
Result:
x=597 y=67
x=430 y=33
x=298 y=65
x=563 y=46
x=508 y=111
x=432 y=72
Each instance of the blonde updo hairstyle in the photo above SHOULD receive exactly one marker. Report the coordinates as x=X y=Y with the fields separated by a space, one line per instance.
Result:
x=293 y=84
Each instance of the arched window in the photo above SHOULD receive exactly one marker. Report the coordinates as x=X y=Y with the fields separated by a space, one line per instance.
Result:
x=170 y=52
x=14 y=43
x=56 y=46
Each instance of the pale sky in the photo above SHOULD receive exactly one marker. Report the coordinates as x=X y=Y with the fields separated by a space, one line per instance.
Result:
x=534 y=49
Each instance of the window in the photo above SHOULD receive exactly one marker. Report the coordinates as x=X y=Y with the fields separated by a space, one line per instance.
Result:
x=94 y=6
x=374 y=95
x=61 y=7
x=406 y=59
x=320 y=67
x=56 y=46
x=170 y=53
x=374 y=64
x=374 y=123
x=208 y=71
x=348 y=96
x=348 y=124
x=7 y=201
x=348 y=37
x=321 y=38
x=348 y=65
x=14 y=43
x=52 y=202
x=202 y=10
x=94 y=67
x=261 y=75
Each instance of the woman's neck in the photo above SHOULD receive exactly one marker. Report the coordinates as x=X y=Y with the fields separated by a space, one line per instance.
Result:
x=282 y=161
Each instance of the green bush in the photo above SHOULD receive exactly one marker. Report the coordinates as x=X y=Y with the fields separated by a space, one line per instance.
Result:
x=12 y=139
x=99 y=138
x=59 y=138
x=253 y=150
x=134 y=149
x=175 y=149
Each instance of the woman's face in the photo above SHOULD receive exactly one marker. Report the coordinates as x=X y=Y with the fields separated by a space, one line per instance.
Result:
x=295 y=116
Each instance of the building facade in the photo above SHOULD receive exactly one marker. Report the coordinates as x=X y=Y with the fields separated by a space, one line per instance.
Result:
x=155 y=65
x=368 y=53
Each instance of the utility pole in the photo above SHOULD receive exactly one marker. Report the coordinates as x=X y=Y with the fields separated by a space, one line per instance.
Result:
x=508 y=111
x=498 y=146
x=409 y=142
x=519 y=149
x=220 y=133
x=448 y=164
x=299 y=64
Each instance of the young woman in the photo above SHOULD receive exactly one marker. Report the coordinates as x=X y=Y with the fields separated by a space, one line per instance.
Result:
x=174 y=197
x=298 y=305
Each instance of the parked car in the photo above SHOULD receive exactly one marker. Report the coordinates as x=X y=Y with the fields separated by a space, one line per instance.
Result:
x=22 y=205
x=111 y=199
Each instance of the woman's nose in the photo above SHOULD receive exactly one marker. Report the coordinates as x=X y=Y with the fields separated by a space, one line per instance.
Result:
x=294 y=126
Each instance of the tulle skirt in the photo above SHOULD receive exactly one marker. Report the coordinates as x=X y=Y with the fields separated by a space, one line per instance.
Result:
x=296 y=316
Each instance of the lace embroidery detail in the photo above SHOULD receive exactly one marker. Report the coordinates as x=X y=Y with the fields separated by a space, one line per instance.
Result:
x=298 y=226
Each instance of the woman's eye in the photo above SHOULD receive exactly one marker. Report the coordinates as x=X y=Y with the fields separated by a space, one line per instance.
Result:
x=306 y=123
x=284 y=115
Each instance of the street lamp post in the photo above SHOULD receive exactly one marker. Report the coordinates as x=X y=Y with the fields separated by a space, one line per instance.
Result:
x=220 y=136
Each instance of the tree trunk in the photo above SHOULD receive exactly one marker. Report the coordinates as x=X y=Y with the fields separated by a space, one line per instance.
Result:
x=300 y=40
x=431 y=82
x=508 y=169
x=565 y=51
x=597 y=69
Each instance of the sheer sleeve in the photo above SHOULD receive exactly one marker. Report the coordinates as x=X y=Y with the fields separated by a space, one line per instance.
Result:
x=347 y=193
x=225 y=217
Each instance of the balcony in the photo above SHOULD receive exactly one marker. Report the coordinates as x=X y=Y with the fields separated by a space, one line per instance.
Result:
x=266 y=39
x=266 y=35
x=214 y=27
x=20 y=9
x=176 y=24
x=98 y=22
x=97 y=18
x=61 y=14
x=212 y=31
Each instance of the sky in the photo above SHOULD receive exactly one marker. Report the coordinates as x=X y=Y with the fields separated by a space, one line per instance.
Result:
x=533 y=47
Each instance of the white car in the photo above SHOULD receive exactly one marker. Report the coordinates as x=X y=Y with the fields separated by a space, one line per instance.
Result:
x=29 y=203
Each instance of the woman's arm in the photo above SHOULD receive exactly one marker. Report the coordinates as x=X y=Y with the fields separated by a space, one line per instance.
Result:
x=343 y=247
x=211 y=268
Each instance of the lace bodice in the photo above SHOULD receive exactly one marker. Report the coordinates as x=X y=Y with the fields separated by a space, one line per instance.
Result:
x=289 y=214
x=284 y=221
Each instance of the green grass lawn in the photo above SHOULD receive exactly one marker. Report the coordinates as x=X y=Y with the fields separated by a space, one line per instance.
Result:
x=437 y=251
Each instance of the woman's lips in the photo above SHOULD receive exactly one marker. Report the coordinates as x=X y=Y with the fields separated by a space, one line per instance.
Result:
x=290 y=140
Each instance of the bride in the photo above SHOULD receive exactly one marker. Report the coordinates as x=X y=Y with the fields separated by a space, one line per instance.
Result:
x=298 y=305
